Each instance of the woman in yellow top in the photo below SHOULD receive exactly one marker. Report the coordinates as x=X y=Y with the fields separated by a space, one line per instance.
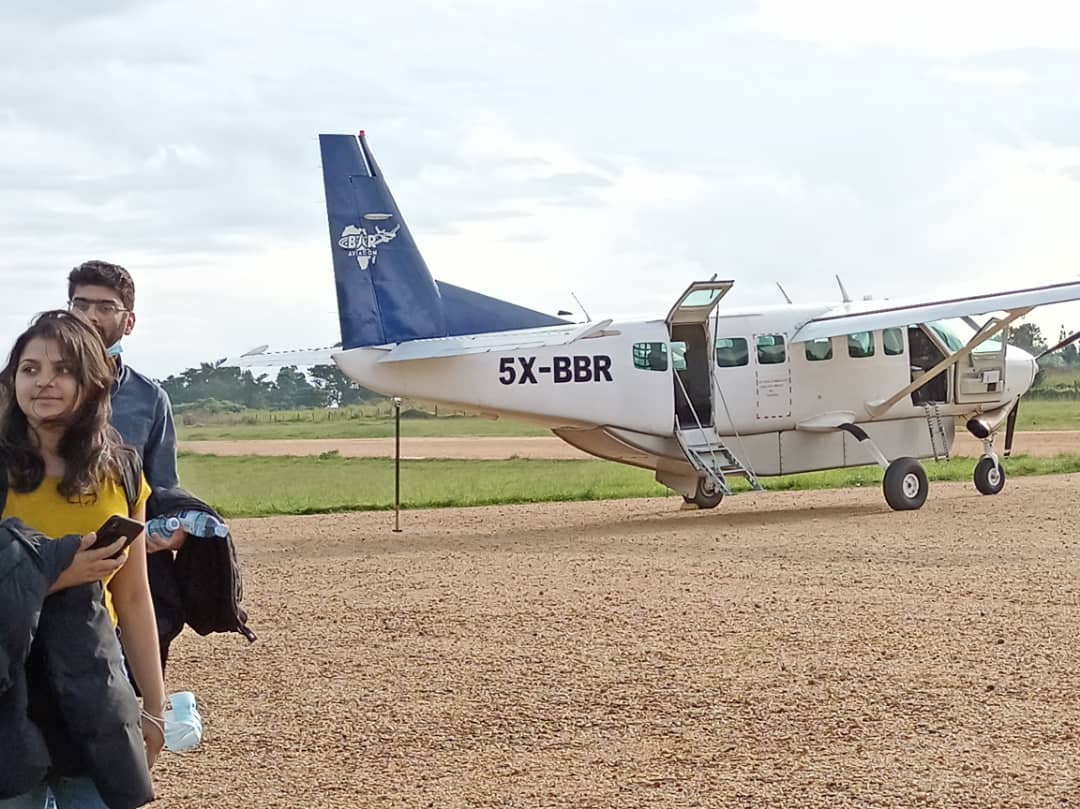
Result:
x=64 y=463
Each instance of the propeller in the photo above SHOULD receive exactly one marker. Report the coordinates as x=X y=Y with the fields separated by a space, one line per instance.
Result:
x=1010 y=424
x=1072 y=338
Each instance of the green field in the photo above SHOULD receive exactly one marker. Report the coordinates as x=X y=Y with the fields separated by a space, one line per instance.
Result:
x=249 y=486
x=1048 y=414
x=257 y=486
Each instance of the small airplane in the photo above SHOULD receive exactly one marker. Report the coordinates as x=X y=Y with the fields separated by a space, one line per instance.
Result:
x=699 y=395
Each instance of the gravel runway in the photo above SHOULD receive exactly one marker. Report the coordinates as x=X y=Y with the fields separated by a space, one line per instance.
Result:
x=785 y=650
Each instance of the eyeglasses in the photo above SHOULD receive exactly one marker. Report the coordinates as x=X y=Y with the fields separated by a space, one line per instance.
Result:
x=107 y=308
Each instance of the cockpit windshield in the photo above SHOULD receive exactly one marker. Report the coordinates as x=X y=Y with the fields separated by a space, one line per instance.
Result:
x=956 y=333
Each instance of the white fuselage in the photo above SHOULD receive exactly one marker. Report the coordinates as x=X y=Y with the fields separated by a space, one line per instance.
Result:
x=775 y=402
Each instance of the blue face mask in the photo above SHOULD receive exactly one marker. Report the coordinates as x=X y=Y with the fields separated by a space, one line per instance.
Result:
x=115 y=349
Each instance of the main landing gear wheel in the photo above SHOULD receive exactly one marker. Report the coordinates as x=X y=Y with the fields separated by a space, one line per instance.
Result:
x=989 y=476
x=905 y=484
x=707 y=494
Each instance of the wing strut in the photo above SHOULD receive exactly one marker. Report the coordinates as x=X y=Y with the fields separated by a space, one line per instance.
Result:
x=876 y=409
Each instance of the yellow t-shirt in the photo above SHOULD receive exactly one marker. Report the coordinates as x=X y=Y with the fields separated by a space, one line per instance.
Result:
x=48 y=511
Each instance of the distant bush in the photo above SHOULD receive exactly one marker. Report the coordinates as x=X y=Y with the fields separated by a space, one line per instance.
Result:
x=209 y=406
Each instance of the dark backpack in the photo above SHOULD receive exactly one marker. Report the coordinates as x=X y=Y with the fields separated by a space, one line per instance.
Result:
x=204 y=580
x=208 y=575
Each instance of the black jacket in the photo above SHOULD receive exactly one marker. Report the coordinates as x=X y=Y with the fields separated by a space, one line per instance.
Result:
x=201 y=585
x=65 y=703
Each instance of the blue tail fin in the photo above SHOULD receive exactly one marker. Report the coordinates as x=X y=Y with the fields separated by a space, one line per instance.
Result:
x=385 y=292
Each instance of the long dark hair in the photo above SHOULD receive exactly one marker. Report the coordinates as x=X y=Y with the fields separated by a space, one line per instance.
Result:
x=89 y=446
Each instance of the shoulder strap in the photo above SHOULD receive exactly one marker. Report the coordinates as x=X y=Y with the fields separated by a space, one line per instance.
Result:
x=131 y=469
x=130 y=478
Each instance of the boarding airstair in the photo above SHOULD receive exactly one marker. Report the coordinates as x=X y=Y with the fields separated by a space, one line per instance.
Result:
x=693 y=366
x=713 y=459
x=940 y=441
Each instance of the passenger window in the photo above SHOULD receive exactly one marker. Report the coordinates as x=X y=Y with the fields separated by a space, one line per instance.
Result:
x=770 y=349
x=732 y=352
x=650 y=356
x=819 y=349
x=860 y=344
x=893 y=342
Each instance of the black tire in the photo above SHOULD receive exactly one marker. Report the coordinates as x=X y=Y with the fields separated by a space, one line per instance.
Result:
x=705 y=497
x=989 y=476
x=905 y=485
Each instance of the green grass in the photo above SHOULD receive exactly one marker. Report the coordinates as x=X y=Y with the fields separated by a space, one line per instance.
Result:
x=1060 y=377
x=1048 y=414
x=256 y=486
x=248 y=486
x=359 y=428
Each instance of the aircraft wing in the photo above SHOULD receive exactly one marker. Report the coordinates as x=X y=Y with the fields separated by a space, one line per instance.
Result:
x=872 y=315
x=493 y=341
x=261 y=358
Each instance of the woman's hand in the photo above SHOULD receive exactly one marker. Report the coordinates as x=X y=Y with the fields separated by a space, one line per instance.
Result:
x=173 y=542
x=91 y=565
x=153 y=735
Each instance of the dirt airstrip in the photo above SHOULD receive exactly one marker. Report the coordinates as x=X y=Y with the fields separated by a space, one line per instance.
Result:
x=785 y=650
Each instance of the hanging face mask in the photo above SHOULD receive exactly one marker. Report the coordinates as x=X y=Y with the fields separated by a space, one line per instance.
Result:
x=115 y=349
x=181 y=723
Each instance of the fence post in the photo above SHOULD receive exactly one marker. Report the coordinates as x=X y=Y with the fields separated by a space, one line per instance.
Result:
x=397 y=465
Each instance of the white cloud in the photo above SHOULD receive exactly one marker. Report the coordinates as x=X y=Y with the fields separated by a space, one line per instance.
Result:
x=614 y=150
x=953 y=27
x=994 y=77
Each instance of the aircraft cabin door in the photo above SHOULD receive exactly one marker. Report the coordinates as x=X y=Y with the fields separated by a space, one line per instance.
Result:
x=693 y=378
x=980 y=377
x=772 y=376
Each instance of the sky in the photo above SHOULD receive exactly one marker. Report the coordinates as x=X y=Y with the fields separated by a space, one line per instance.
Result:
x=615 y=150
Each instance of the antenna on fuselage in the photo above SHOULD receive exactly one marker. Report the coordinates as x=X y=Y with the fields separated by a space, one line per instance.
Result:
x=843 y=292
x=582 y=306
x=783 y=292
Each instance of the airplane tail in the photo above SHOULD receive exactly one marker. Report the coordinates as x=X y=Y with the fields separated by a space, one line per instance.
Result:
x=385 y=292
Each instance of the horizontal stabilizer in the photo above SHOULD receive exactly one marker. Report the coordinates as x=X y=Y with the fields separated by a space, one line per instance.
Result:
x=494 y=341
x=873 y=315
x=261 y=358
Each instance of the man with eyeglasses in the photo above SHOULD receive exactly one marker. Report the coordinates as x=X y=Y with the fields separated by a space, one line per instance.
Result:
x=104 y=294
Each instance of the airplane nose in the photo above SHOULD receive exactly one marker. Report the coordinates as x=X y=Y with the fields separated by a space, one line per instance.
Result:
x=1021 y=371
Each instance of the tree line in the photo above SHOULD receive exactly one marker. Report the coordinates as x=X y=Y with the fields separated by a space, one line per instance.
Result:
x=213 y=387
x=1029 y=337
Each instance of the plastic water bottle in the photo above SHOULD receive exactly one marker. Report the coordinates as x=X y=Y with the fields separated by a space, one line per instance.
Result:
x=203 y=524
x=195 y=523
x=162 y=527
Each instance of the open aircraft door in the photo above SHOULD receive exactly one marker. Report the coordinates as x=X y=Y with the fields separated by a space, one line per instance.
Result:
x=980 y=376
x=688 y=326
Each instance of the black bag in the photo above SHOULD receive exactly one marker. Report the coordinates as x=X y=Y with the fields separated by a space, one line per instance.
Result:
x=211 y=587
x=203 y=586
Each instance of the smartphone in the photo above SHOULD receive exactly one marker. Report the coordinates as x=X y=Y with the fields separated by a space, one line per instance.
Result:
x=114 y=528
